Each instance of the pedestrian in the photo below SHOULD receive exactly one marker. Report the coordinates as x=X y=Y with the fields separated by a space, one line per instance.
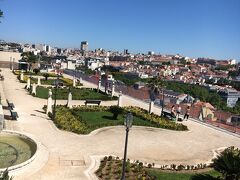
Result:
x=186 y=116
x=178 y=111
x=173 y=112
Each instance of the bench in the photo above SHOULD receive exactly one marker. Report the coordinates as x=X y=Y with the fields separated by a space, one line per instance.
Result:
x=10 y=105
x=14 y=115
x=89 y=101
x=168 y=115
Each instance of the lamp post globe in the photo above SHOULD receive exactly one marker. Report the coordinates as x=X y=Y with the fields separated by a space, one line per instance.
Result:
x=128 y=120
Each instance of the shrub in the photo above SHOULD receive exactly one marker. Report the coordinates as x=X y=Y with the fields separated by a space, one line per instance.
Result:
x=228 y=163
x=116 y=111
x=36 y=71
x=4 y=175
x=67 y=121
x=46 y=75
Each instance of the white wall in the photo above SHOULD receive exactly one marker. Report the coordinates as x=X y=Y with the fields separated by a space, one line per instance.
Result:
x=5 y=56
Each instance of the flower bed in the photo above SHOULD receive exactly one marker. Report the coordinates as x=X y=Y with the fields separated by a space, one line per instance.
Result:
x=111 y=168
x=84 y=119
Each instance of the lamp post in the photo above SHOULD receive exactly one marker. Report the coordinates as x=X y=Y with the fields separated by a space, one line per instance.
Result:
x=162 y=101
x=128 y=124
x=55 y=97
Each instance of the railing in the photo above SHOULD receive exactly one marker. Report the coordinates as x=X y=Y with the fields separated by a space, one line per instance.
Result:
x=141 y=95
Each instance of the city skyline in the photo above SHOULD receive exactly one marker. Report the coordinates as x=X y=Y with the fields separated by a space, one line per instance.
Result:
x=199 y=29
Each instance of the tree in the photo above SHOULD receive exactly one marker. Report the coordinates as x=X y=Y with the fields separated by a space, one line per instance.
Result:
x=46 y=75
x=116 y=111
x=228 y=163
x=4 y=175
x=1 y=14
x=36 y=71
x=156 y=86
x=30 y=58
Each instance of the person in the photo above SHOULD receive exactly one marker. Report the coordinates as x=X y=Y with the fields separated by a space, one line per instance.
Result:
x=186 y=116
x=178 y=111
x=173 y=111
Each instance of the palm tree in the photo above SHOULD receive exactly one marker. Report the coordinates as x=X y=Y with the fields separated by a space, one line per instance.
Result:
x=228 y=163
x=30 y=58
x=156 y=86
x=1 y=13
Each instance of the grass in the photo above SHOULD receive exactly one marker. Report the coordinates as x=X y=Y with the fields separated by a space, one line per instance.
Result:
x=43 y=81
x=77 y=94
x=18 y=72
x=209 y=175
x=85 y=119
x=95 y=120
x=15 y=150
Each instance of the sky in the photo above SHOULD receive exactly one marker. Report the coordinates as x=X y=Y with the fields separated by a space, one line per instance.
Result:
x=194 y=28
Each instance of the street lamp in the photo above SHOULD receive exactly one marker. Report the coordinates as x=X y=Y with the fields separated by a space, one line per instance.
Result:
x=162 y=101
x=55 y=96
x=128 y=124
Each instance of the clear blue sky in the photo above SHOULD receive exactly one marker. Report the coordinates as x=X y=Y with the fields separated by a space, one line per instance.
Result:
x=195 y=28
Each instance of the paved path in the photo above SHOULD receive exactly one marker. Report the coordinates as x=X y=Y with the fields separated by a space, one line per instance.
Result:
x=65 y=155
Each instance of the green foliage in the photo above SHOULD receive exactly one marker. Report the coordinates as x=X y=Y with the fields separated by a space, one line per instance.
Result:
x=84 y=119
x=228 y=163
x=67 y=121
x=1 y=14
x=224 y=68
x=158 y=121
x=116 y=110
x=200 y=92
x=126 y=78
x=113 y=168
x=4 y=175
x=86 y=70
x=36 y=71
x=77 y=93
x=234 y=73
x=46 y=75
x=30 y=58
x=156 y=85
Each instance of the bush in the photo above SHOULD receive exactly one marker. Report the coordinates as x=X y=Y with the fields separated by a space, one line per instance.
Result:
x=116 y=111
x=64 y=119
x=228 y=163
x=46 y=75
x=4 y=175
x=36 y=71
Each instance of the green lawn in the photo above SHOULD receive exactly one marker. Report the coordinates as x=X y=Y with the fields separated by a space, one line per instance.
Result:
x=95 y=120
x=209 y=175
x=77 y=94
x=43 y=81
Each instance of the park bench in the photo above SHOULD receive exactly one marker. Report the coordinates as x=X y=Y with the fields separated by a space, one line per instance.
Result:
x=168 y=115
x=90 y=101
x=1 y=77
x=10 y=105
x=14 y=115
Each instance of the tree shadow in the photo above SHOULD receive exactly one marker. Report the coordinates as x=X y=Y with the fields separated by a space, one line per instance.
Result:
x=204 y=177
x=7 y=117
x=43 y=112
x=109 y=118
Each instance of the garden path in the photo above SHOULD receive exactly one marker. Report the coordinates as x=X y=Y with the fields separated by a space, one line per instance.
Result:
x=68 y=155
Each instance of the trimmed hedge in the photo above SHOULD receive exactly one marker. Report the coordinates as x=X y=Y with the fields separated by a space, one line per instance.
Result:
x=69 y=119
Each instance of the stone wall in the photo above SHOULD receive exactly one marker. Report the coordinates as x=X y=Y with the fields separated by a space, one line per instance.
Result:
x=6 y=58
